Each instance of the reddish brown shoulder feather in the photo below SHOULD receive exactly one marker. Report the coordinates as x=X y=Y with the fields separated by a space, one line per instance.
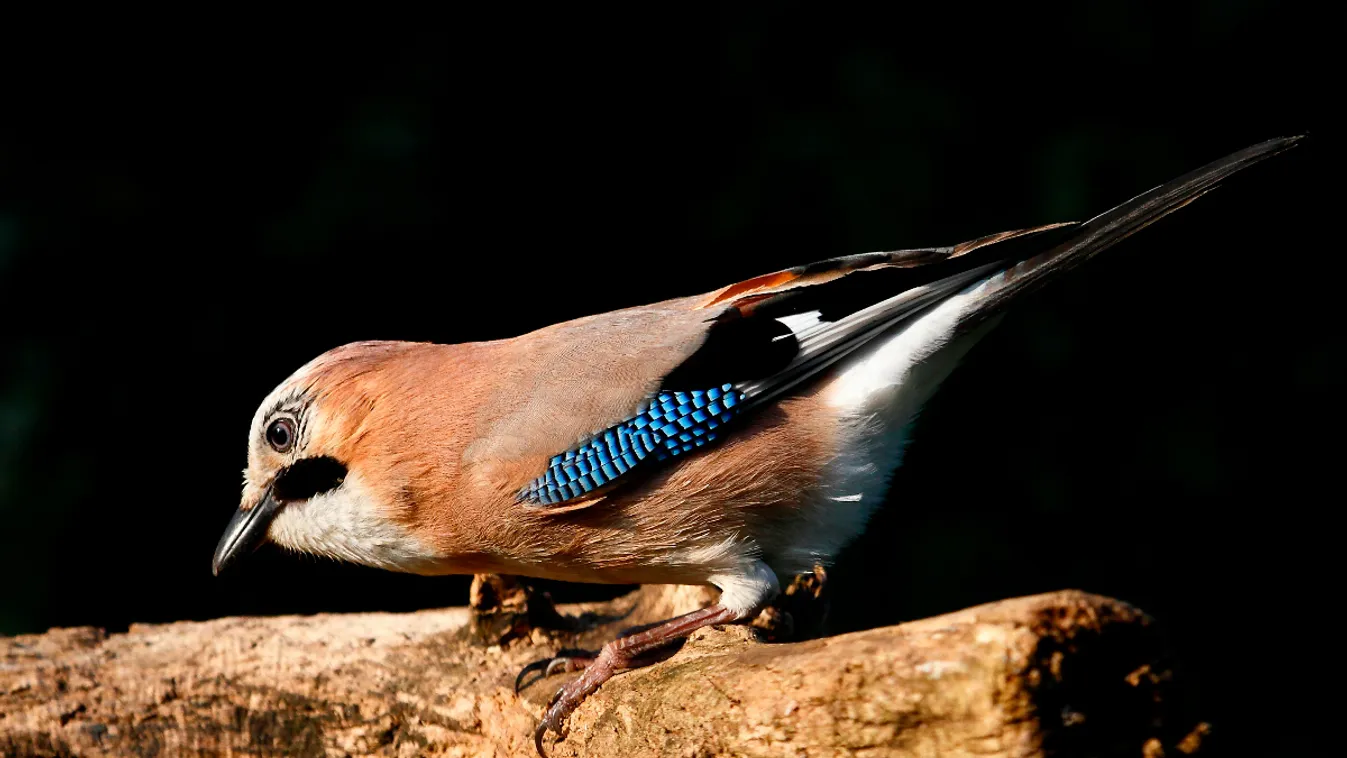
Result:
x=749 y=292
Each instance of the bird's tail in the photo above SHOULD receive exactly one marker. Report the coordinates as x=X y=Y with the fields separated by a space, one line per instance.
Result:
x=835 y=307
x=1109 y=228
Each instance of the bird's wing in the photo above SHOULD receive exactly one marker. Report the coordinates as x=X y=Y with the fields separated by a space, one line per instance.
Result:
x=611 y=395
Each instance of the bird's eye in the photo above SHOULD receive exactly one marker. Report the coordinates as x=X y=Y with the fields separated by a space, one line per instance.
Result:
x=281 y=434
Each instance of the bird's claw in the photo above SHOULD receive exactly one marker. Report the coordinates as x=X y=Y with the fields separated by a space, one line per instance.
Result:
x=550 y=721
x=564 y=701
x=538 y=735
x=544 y=665
x=564 y=661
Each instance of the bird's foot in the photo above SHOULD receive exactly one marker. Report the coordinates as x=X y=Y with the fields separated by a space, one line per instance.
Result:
x=632 y=650
x=599 y=670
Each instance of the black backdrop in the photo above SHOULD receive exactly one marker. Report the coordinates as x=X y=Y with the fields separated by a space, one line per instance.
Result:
x=186 y=217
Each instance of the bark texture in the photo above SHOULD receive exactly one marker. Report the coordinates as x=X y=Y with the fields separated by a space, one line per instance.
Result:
x=1065 y=673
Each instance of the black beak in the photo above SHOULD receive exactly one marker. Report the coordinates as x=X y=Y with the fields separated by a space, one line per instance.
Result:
x=245 y=532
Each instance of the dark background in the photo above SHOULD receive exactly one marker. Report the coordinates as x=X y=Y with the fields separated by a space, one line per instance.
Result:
x=187 y=217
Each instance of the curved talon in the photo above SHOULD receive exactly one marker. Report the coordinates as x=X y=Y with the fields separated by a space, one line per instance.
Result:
x=538 y=738
x=565 y=660
x=541 y=663
x=553 y=719
x=563 y=663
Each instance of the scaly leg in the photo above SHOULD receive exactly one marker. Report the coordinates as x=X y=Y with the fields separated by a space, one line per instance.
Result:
x=575 y=659
x=568 y=660
x=744 y=590
x=622 y=653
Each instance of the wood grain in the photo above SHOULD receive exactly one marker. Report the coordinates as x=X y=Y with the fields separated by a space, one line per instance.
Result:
x=1065 y=673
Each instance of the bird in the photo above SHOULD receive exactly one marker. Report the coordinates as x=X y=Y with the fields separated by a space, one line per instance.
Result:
x=731 y=438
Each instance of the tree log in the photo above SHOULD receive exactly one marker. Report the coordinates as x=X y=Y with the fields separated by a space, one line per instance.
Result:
x=1065 y=673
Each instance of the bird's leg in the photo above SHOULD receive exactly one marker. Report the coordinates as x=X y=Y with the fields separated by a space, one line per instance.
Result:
x=566 y=661
x=625 y=652
x=575 y=659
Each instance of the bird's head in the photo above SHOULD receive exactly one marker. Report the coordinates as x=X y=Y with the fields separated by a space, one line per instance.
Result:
x=324 y=476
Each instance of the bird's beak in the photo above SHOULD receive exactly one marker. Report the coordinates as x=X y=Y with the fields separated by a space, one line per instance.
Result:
x=245 y=532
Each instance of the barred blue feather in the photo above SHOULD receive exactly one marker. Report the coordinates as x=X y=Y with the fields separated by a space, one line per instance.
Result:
x=673 y=424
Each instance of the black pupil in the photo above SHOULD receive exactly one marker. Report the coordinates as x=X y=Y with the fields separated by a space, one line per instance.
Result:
x=279 y=434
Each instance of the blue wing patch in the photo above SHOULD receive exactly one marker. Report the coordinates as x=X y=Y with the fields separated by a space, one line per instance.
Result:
x=673 y=424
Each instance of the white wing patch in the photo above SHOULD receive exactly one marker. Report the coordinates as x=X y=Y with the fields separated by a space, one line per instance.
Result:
x=883 y=376
x=800 y=322
x=878 y=392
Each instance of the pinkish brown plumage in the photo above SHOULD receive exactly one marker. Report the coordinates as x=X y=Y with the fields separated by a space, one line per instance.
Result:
x=421 y=457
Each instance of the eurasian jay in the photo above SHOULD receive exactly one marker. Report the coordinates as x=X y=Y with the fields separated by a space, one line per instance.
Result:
x=729 y=438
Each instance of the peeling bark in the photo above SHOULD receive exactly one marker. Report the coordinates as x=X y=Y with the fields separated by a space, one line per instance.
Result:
x=1065 y=673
